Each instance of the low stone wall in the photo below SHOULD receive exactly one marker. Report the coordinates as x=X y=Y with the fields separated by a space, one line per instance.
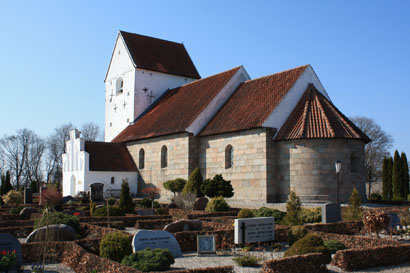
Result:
x=312 y=263
x=357 y=259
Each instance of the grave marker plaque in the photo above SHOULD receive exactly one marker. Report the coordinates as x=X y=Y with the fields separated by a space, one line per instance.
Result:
x=331 y=213
x=156 y=239
x=251 y=230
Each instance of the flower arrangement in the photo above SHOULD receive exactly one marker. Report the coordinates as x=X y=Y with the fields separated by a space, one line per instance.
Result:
x=7 y=259
x=37 y=268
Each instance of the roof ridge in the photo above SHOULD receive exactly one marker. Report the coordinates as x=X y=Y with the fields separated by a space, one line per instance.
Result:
x=198 y=80
x=277 y=73
x=151 y=37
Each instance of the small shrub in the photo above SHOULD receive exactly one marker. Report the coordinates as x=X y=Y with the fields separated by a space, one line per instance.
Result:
x=147 y=203
x=115 y=246
x=308 y=244
x=174 y=186
x=334 y=246
x=16 y=210
x=13 y=198
x=126 y=203
x=376 y=221
x=53 y=198
x=148 y=260
x=245 y=213
x=296 y=233
x=111 y=201
x=293 y=209
x=267 y=212
x=247 y=261
x=217 y=186
x=194 y=183
x=55 y=218
x=353 y=211
x=114 y=211
x=217 y=204
x=310 y=215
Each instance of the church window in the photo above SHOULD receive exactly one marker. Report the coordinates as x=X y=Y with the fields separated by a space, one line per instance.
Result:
x=112 y=180
x=354 y=163
x=142 y=159
x=120 y=86
x=164 y=157
x=228 y=157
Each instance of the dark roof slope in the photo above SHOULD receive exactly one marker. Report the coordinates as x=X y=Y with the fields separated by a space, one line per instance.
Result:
x=159 y=55
x=177 y=108
x=105 y=156
x=252 y=102
x=316 y=117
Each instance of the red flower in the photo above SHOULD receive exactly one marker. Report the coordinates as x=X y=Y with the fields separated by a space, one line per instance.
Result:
x=3 y=252
x=13 y=252
x=76 y=213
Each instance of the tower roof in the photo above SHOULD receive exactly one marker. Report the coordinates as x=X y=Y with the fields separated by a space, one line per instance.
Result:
x=159 y=55
x=316 y=117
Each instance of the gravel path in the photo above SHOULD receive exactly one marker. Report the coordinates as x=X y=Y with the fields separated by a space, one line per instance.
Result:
x=50 y=268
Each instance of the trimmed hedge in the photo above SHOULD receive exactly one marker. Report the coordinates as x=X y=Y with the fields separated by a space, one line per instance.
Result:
x=312 y=263
x=152 y=224
x=345 y=227
x=357 y=259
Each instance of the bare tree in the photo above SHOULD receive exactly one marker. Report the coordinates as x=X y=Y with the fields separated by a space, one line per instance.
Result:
x=16 y=148
x=376 y=150
x=90 y=131
x=34 y=157
x=55 y=149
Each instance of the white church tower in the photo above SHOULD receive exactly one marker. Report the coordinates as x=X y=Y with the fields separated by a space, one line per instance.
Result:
x=141 y=70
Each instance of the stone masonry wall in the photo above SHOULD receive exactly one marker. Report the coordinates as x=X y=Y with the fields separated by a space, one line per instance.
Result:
x=308 y=168
x=248 y=174
x=178 y=160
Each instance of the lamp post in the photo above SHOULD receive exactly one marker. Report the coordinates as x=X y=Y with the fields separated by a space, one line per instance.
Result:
x=338 y=166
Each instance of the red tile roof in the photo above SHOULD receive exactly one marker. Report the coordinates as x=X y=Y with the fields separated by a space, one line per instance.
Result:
x=159 y=55
x=253 y=102
x=105 y=156
x=177 y=109
x=316 y=117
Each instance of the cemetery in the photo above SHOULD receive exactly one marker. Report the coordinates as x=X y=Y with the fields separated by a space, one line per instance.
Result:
x=141 y=235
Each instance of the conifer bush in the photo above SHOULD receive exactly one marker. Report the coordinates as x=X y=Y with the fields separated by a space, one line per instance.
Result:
x=217 y=186
x=114 y=211
x=296 y=233
x=310 y=243
x=246 y=213
x=293 y=210
x=115 y=246
x=13 y=198
x=194 y=183
x=310 y=215
x=126 y=203
x=267 y=212
x=174 y=186
x=353 y=211
x=148 y=260
x=147 y=203
x=334 y=246
x=217 y=204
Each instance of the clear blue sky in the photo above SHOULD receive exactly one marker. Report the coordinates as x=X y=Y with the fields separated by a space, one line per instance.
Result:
x=54 y=54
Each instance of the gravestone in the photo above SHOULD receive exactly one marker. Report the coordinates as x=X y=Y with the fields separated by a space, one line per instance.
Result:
x=146 y=212
x=97 y=192
x=28 y=196
x=68 y=198
x=59 y=232
x=331 y=213
x=43 y=191
x=394 y=221
x=26 y=212
x=9 y=243
x=251 y=230
x=156 y=239
x=200 y=203
x=184 y=225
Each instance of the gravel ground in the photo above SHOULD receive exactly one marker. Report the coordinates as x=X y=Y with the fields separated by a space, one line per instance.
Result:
x=50 y=268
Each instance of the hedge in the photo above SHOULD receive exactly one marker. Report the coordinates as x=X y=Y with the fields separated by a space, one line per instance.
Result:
x=312 y=263
x=152 y=224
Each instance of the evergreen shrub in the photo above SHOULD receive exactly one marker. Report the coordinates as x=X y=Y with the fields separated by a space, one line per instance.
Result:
x=111 y=201
x=353 y=211
x=296 y=233
x=334 y=246
x=310 y=215
x=126 y=203
x=293 y=210
x=147 y=203
x=115 y=246
x=114 y=211
x=12 y=198
x=217 y=186
x=174 y=186
x=55 y=218
x=16 y=210
x=310 y=243
x=247 y=261
x=245 y=213
x=267 y=212
x=194 y=183
x=217 y=204
x=148 y=260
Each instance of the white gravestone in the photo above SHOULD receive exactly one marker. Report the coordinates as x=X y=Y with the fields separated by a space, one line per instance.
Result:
x=156 y=239
x=252 y=230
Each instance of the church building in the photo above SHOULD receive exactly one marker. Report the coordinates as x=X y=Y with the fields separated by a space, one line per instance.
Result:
x=268 y=135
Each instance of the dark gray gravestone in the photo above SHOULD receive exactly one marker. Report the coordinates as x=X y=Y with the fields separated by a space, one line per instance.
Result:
x=26 y=212
x=68 y=198
x=59 y=232
x=28 y=196
x=394 y=221
x=97 y=192
x=9 y=243
x=156 y=239
x=331 y=213
x=146 y=212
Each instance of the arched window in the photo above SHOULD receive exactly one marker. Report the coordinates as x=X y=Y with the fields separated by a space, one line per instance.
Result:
x=164 y=157
x=142 y=159
x=228 y=157
x=119 y=86
x=112 y=180
x=354 y=163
